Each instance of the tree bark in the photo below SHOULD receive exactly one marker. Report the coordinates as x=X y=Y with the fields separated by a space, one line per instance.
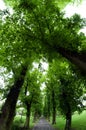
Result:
x=8 y=109
x=54 y=116
x=48 y=111
x=48 y=105
x=35 y=116
x=68 y=118
x=54 y=108
x=68 y=122
x=27 y=123
x=78 y=59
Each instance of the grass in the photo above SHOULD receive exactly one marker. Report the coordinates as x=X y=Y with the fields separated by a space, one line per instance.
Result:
x=78 y=122
x=19 y=121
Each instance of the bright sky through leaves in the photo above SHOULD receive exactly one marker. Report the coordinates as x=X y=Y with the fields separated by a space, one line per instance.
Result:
x=74 y=8
x=2 y=5
x=69 y=10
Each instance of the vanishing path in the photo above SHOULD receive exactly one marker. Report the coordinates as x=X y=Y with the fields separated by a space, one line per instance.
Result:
x=43 y=125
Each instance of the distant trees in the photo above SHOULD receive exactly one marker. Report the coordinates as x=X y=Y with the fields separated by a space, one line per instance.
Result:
x=31 y=95
x=69 y=95
x=65 y=88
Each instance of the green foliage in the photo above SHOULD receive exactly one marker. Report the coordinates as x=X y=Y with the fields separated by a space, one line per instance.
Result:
x=46 y=23
x=69 y=95
x=25 y=34
x=60 y=3
x=31 y=93
x=36 y=29
x=19 y=123
x=67 y=86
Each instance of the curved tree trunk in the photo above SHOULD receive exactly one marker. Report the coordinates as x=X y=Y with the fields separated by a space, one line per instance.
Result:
x=8 y=109
x=79 y=59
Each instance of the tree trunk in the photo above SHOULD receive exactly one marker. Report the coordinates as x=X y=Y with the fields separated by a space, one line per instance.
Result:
x=27 y=123
x=54 y=108
x=49 y=105
x=8 y=109
x=48 y=114
x=54 y=116
x=68 y=120
x=35 y=116
x=79 y=59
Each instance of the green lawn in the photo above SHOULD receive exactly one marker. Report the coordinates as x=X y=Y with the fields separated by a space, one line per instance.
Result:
x=78 y=122
x=19 y=122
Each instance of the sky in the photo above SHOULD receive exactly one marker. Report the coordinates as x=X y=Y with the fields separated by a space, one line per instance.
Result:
x=2 y=5
x=79 y=9
x=76 y=8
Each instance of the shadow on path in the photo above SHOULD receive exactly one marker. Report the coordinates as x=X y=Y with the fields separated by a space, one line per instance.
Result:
x=43 y=124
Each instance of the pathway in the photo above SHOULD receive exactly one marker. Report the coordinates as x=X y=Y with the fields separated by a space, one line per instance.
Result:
x=43 y=125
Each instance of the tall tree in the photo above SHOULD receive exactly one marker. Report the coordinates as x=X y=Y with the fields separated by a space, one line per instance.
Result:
x=31 y=94
x=69 y=89
x=14 y=60
x=54 y=32
x=69 y=98
x=8 y=109
x=39 y=27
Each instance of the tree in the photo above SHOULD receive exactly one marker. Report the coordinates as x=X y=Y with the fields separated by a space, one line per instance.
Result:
x=51 y=98
x=52 y=90
x=13 y=61
x=70 y=92
x=36 y=29
x=60 y=3
x=57 y=33
x=31 y=93
x=8 y=109
x=47 y=104
x=68 y=87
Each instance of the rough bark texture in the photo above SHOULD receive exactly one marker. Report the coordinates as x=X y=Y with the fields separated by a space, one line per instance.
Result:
x=8 y=109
